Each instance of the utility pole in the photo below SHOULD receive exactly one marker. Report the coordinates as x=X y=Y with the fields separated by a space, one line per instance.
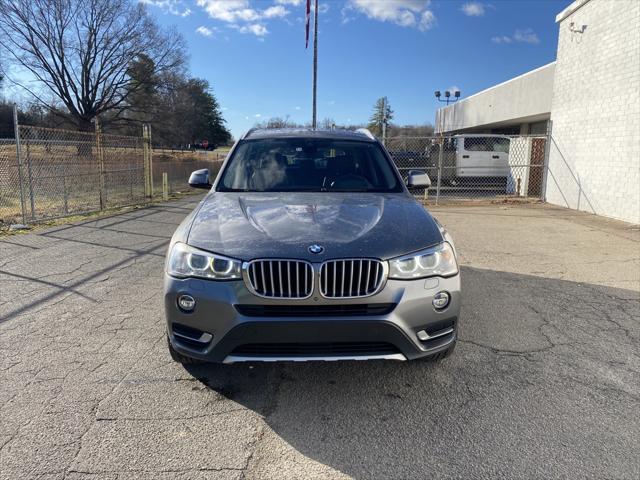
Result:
x=314 y=122
x=384 y=121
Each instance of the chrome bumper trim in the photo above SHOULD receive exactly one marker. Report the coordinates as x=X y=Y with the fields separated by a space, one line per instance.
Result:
x=204 y=338
x=238 y=358
x=424 y=336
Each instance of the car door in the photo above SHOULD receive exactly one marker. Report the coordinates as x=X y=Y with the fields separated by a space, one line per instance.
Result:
x=479 y=157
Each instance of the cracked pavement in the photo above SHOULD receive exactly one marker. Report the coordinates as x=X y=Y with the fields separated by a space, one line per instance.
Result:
x=544 y=383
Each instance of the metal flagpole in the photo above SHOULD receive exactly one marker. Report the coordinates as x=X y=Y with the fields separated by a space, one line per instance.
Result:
x=314 y=122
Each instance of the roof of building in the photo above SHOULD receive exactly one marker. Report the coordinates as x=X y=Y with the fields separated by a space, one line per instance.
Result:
x=360 y=134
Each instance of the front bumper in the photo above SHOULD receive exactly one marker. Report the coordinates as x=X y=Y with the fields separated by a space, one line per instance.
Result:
x=230 y=324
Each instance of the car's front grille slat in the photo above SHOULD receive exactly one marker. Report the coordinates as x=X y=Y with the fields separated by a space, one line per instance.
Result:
x=343 y=278
x=347 y=278
x=280 y=278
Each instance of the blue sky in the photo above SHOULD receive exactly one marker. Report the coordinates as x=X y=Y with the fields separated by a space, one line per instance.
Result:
x=252 y=52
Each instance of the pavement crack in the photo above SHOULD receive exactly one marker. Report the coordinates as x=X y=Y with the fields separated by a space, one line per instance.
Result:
x=504 y=351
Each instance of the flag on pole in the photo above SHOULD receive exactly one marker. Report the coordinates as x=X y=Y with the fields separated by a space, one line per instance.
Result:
x=306 y=44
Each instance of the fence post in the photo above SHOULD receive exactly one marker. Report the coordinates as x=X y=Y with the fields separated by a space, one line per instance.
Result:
x=145 y=163
x=100 y=155
x=16 y=127
x=148 y=160
x=150 y=156
x=30 y=178
x=384 y=132
x=545 y=168
x=65 y=193
x=439 y=168
x=165 y=186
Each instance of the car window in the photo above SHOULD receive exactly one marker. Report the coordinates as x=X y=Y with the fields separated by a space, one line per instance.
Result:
x=302 y=164
x=486 y=144
x=501 y=145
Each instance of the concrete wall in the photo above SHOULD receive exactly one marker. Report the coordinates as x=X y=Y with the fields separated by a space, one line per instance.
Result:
x=594 y=158
x=521 y=100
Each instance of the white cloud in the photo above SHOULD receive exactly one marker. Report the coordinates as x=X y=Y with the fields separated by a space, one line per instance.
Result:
x=296 y=108
x=427 y=20
x=275 y=11
x=526 y=35
x=241 y=15
x=406 y=13
x=257 y=29
x=258 y=115
x=345 y=16
x=227 y=10
x=323 y=8
x=289 y=2
x=204 y=31
x=473 y=9
x=174 y=7
x=501 y=39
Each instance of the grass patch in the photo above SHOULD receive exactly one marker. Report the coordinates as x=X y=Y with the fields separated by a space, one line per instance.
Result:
x=109 y=212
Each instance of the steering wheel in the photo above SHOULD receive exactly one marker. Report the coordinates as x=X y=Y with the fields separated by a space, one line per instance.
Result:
x=351 y=180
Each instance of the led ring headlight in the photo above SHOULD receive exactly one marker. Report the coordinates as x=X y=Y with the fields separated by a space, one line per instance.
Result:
x=187 y=261
x=435 y=261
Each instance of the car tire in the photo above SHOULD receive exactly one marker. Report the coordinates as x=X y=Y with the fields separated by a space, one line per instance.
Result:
x=436 y=357
x=178 y=357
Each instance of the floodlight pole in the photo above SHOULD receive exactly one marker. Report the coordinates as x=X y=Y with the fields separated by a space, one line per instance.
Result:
x=314 y=121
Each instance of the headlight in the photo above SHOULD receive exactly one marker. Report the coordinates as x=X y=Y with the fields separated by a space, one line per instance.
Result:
x=186 y=261
x=435 y=261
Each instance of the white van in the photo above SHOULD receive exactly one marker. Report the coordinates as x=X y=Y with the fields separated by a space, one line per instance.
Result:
x=480 y=156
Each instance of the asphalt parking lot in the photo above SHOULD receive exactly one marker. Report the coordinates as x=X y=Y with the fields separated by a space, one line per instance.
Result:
x=544 y=383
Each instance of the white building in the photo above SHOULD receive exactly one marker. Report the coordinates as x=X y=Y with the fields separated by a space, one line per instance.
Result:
x=594 y=159
x=591 y=95
x=521 y=105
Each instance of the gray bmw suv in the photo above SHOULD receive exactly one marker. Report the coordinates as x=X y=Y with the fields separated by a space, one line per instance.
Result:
x=309 y=246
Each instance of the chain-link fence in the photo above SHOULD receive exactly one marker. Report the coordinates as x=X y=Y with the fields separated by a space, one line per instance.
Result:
x=468 y=167
x=11 y=196
x=178 y=165
x=48 y=173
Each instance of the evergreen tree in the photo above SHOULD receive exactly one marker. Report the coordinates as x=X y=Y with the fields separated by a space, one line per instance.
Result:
x=382 y=114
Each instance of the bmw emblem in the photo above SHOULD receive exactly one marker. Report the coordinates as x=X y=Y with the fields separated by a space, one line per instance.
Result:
x=315 y=248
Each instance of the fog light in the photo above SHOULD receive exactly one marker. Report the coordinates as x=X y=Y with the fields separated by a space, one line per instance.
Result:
x=441 y=300
x=186 y=303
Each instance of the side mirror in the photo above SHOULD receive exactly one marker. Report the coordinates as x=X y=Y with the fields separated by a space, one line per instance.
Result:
x=418 y=178
x=200 y=179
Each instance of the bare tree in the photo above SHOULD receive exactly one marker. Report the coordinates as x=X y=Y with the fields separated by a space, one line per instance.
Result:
x=277 y=123
x=327 y=124
x=81 y=51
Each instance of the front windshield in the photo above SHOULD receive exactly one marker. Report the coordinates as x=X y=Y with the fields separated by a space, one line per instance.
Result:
x=309 y=165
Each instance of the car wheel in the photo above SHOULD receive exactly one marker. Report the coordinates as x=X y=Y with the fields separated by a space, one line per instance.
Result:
x=436 y=357
x=178 y=357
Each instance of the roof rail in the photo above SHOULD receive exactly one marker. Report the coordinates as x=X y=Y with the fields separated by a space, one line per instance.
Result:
x=366 y=132
x=248 y=132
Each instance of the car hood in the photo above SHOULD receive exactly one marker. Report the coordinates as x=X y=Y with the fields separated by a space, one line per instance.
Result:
x=247 y=226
